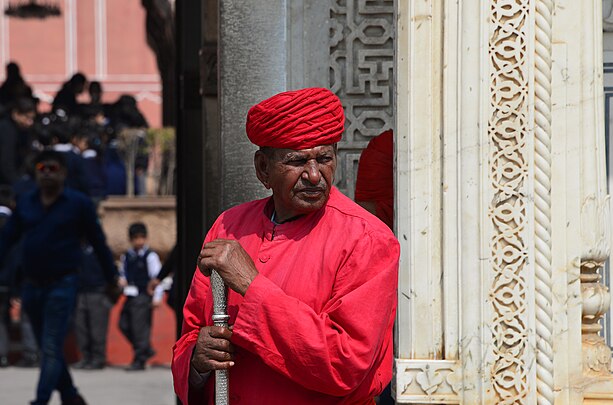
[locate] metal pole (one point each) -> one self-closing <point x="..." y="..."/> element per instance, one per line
<point x="220" y="318"/>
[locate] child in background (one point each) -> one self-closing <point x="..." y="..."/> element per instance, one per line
<point x="138" y="266"/>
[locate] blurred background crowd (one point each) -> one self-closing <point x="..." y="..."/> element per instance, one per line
<point x="91" y="134"/>
<point x="107" y="149"/>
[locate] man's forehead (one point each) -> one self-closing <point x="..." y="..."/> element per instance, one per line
<point x="301" y="152"/>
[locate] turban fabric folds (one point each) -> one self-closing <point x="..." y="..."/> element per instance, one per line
<point x="299" y="119"/>
<point x="375" y="179"/>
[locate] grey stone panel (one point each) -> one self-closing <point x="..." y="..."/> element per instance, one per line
<point x="269" y="46"/>
<point x="361" y="63"/>
<point x="252" y="66"/>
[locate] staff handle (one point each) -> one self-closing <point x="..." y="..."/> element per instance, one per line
<point x="220" y="318"/>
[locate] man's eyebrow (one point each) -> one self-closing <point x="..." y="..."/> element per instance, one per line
<point x="293" y="155"/>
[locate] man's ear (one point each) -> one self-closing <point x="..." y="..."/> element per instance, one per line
<point x="262" y="167"/>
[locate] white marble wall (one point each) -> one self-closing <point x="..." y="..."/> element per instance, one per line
<point x="502" y="208"/>
<point x="502" y="205"/>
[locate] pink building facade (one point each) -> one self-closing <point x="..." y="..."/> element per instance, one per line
<point x="104" y="39"/>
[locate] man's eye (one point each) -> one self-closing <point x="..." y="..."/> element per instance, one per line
<point x="324" y="159"/>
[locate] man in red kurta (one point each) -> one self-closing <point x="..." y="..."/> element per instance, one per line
<point x="312" y="276"/>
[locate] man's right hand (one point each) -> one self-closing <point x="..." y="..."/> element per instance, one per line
<point x="213" y="350"/>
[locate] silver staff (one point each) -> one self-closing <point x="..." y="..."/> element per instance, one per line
<point x="220" y="318"/>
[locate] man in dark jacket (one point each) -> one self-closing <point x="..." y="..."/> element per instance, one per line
<point x="53" y="221"/>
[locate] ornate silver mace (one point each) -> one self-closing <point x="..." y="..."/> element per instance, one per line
<point x="220" y="318"/>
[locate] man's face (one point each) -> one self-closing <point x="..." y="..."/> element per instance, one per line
<point x="300" y="180"/>
<point x="50" y="174"/>
<point x="23" y="120"/>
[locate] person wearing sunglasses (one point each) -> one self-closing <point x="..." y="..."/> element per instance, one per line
<point x="53" y="220"/>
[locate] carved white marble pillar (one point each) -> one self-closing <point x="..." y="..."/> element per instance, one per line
<point x="502" y="207"/>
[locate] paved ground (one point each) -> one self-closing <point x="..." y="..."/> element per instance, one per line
<point x="111" y="386"/>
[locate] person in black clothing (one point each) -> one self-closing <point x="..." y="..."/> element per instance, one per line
<point x="95" y="93"/>
<point x="53" y="221"/>
<point x="114" y="170"/>
<point x="9" y="295"/>
<point x="92" y="314"/>
<point x="124" y="113"/>
<point x="95" y="110"/>
<point x="138" y="266"/>
<point x="14" y="138"/>
<point x="11" y="84"/>
<point x="61" y="141"/>
<point x="93" y="165"/>
<point x="6" y="280"/>
<point x="13" y="88"/>
<point x="66" y="97"/>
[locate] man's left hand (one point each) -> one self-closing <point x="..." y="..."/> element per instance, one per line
<point x="231" y="261"/>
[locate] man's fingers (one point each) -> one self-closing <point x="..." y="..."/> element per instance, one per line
<point x="201" y="264"/>
<point x="218" y="355"/>
<point x="204" y="363"/>
<point x="221" y="345"/>
<point x="213" y="349"/>
<point x="220" y="365"/>
<point x="220" y="332"/>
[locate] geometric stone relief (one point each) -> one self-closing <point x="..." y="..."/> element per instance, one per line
<point x="428" y="381"/>
<point x="361" y="73"/>
<point x="346" y="171"/>
<point x="508" y="128"/>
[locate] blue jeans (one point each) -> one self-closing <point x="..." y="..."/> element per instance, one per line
<point x="50" y="308"/>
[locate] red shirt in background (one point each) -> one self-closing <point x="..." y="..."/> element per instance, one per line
<point x="375" y="178"/>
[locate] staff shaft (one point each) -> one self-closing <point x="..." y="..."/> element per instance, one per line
<point x="220" y="318"/>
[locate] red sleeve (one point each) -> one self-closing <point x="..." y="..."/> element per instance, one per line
<point x="193" y="320"/>
<point x="334" y="351"/>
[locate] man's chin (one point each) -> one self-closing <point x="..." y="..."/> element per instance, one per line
<point x="308" y="205"/>
<point x="48" y="184"/>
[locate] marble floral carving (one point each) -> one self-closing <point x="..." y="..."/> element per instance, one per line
<point x="508" y="166"/>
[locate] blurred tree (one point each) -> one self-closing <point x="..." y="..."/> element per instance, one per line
<point x="160" y="26"/>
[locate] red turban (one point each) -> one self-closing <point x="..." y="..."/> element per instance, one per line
<point x="375" y="180"/>
<point x="299" y="119"/>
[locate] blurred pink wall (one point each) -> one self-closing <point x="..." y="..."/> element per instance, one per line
<point x="104" y="39"/>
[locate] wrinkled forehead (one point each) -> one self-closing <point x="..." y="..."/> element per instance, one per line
<point x="283" y="153"/>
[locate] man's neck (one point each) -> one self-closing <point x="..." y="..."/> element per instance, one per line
<point x="276" y="221"/>
<point x="49" y="195"/>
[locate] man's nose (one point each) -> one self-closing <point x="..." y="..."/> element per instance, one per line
<point x="311" y="172"/>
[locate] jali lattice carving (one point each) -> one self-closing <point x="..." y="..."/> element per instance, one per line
<point x="361" y="66"/>
<point x="507" y="129"/>
<point x="361" y="74"/>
